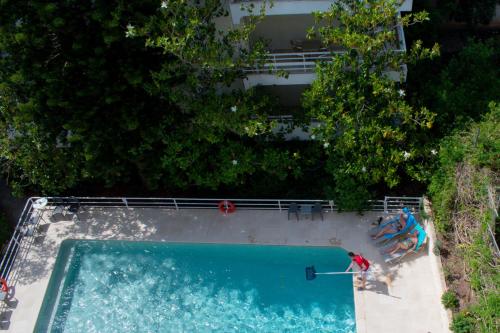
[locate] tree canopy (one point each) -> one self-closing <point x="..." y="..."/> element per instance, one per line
<point x="369" y="132"/>
<point x="110" y="93"/>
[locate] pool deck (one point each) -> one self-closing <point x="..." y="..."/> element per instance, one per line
<point x="405" y="297"/>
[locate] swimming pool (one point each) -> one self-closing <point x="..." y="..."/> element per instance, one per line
<point x="120" y="286"/>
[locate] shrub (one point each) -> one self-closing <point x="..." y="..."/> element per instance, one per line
<point x="437" y="247"/>
<point x="463" y="323"/>
<point x="450" y="300"/>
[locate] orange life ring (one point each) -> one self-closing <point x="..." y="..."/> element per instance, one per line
<point x="226" y="207"/>
<point x="5" y="287"/>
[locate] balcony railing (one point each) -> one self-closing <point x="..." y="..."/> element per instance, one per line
<point x="292" y="62"/>
<point x="304" y="62"/>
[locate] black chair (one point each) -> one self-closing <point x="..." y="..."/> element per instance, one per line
<point x="73" y="208"/>
<point x="293" y="209"/>
<point x="59" y="207"/>
<point x="317" y="209"/>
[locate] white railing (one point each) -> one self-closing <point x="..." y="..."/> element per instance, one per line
<point x="23" y="235"/>
<point x="295" y="61"/>
<point x="494" y="212"/>
<point x="305" y="62"/>
<point x="21" y="239"/>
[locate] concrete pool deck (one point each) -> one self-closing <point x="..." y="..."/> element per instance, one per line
<point x="404" y="298"/>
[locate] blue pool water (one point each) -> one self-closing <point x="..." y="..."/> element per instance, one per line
<point x="118" y="286"/>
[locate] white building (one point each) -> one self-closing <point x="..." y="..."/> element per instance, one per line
<point x="285" y="28"/>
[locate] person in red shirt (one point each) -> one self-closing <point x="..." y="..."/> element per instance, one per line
<point x="363" y="264"/>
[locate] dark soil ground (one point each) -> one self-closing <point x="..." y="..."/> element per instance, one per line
<point x="454" y="271"/>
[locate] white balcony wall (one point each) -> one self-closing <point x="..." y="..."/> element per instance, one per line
<point x="406" y="6"/>
<point x="282" y="56"/>
<point x="279" y="31"/>
<point x="253" y="80"/>
<point x="290" y="7"/>
<point x="281" y="7"/>
<point x="271" y="79"/>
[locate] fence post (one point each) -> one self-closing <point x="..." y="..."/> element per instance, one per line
<point x="493" y="241"/>
<point x="385" y="205"/>
<point x="125" y="202"/>
<point x="279" y="204"/>
<point x="175" y="203"/>
<point x="16" y="240"/>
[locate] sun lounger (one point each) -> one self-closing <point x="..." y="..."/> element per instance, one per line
<point x="421" y="242"/>
<point x="411" y="222"/>
<point x="376" y="229"/>
<point x="387" y="245"/>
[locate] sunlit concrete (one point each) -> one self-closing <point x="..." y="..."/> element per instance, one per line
<point x="403" y="298"/>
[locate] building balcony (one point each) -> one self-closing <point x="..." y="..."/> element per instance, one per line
<point x="297" y="57"/>
<point x="289" y="7"/>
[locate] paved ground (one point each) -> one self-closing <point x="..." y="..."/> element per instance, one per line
<point x="404" y="298"/>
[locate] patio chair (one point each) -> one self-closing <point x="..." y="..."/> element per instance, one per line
<point x="317" y="209"/>
<point x="34" y="220"/>
<point x="376" y="229"/>
<point x="411" y="222"/>
<point x="26" y="230"/>
<point x="59" y="209"/>
<point x="293" y="209"/>
<point x="73" y="208"/>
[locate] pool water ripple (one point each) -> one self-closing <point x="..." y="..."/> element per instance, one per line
<point x="156" y="287"/>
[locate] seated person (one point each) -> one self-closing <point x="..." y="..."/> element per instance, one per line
<point x="409" y="243"/>
<point x="4" y="289"/>
<point x="393" y="228"/>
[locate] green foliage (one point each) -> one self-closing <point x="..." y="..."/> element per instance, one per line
<point x="438" y="245"/>
<point x="467" y="84"/>
<point x="65" y="86"/>
<point x="463" y="323"/>
<point x="450" y="300"/>
<point x="473" y="152"/>
<point x="369" y="132"/>
<point x="480" y="145"/>
<point x="84" y="101"/>
<point x="487" y="310"/>
<point x="349" y="194"/>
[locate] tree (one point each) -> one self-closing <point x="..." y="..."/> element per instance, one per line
<point x="369" y="132"/>
<point x="72" y="88"/>
<point x="466" y="85"/>
<point x="107" y="92"/>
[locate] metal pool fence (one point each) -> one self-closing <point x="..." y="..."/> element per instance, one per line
<point x="23" y="235"/>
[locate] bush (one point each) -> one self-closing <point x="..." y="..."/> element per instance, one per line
<point x="463" y="323"/>
<point x="437" y="248"/>
<point x="450" y="300"/>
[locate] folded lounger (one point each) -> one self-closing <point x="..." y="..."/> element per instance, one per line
<point x="422" y="240"/>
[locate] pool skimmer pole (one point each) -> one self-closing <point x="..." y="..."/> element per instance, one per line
<point x="311" y="273"/>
